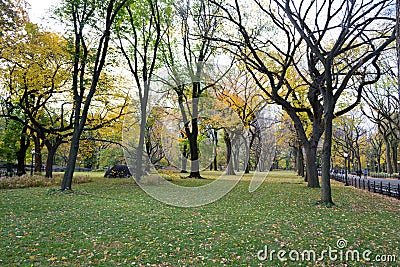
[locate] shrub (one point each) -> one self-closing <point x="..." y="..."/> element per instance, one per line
<point x="38" y="181"/>
<point x="118" y="171"/>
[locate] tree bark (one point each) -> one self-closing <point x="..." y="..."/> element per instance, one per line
<point x="247" y="160"/>
<point x="248" y="152"/>
<point x="73" y="153"/>
<point x="394" y="157"/>
<point x="184" y="157"/>
<point x="215" y="163"/>
<point x="192" y="130"/>
<point x="389" y="168"/>
<point x="236" y="159"/>
<point x="50" y="161"/>
<point x="184" y="161"/>
<point x="378" y="167"/>
<point x="326" y="196"/>
<point x="398" y="56"/>
<point x="295" y="157"/>
<point x="194" y="150"/>
<point x="311" y="166"/>
<point x="215" y="134"/>
<point x="229" y="161"/>
<point x="140" y="149"/>
<point x="38" y="154"/>
<point x="359" y="166"/>
<point x="300" y="162"/>
<point x="21" y="153"/>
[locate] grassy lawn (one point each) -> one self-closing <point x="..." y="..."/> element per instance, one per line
<point x="113" y="222"/>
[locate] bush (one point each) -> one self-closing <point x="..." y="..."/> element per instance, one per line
<point x="37" y="181"/>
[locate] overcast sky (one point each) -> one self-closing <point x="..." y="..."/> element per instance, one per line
<point x="37" y="12"/>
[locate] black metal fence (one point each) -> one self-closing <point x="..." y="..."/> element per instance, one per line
<point x="385" y="175"/>
<point x="388" y="187"/>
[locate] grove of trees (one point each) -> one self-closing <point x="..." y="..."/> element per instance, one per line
<point x="327" y="70"/>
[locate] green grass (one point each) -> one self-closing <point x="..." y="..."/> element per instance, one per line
<point x="113" y="222"/>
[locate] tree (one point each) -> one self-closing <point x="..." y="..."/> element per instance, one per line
<point x="140" y="30"/>
<point x="34" y="72"/>
<point x="195" y="20"/>
<point x="13" y="144"/>
<point x="85" y="17"/>
<point x="287" y="135"/>
<point x="270" y="63"/>
<point x="349" y="136"/>
<point x="375" y="151"/>
<point x="381" y="109"/>
<point x="348" y="61"/>
<point x="154" y="148"/>
<point x="238" y="90"/>
<point x="398" y="51"/>
<point x="331" y="56"/>
<point x="13" y="18"/>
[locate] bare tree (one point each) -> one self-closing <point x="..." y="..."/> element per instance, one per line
<point x="375" y="151"/>
<point x="238" y="90"/>
<point x="343" y="61"/>
<point x="398" y="52"/>
<point x="349" y="134"/>
<point x="381" y="108"/>
<point x="333" y="46"/>
<point x="269" y="60"/>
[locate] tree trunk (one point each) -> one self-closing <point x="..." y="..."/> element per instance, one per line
<point x="236" y="159"/>
<point x="194" y="156"/>
<point x="192" y="131"/>
<point x="257" y="156"/>
<point x="389" y="168"/>
<point x="358" y="157"/>
<point x="21" y="153"/>
<point x="215" y="163"/>
<point x="229" y="161"/>
<point x="73" y="153"/>
<point x="138" y="168"/>
<point x="38" y="154"/>
<point x="51" y="152"/>
<point x="394" y="156"/>
<point x="215" y="133"/>
<point x="184" y="155"/>
<point x="326" y="196"/>
<point x="193" y="134"/>
<point x="300" y="162"/>
<point x="378" y="167"/>
<point x="184" y="159"/>
<point x="248" y="148"/>
<point x="398" y="56"/>
<point x="194" y="151"/>
<point x="311" y="166"/>
<point x="295" y="157"/>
